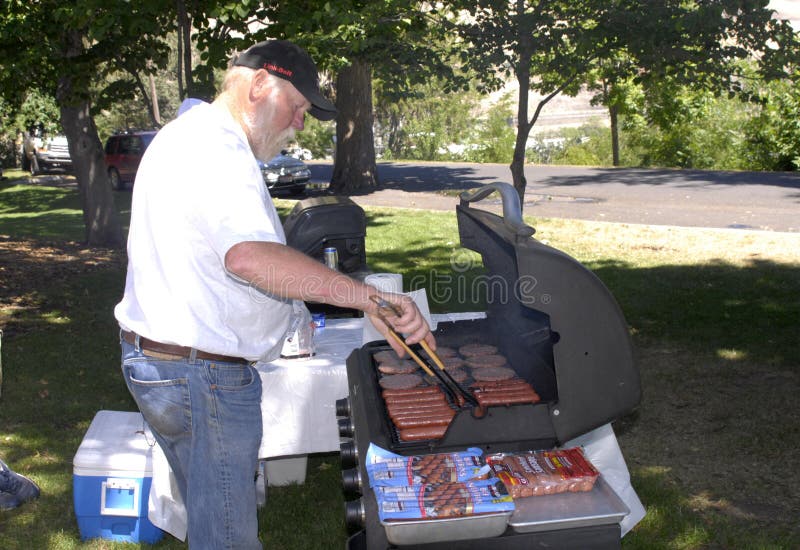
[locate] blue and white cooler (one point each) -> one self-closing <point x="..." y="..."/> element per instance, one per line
<point x="112" y="474"/>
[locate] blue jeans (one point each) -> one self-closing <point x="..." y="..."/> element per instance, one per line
<point x="206" y="417"/>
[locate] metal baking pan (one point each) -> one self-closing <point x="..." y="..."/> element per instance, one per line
<point x="600" y="506"/>
<point x="425" y="531"/>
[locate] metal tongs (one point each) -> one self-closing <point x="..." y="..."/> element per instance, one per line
<point x="446" y="381"/>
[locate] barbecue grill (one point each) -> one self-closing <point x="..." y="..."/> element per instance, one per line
<point x="560" y="329"/>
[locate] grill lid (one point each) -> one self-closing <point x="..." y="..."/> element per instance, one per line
<point x="552" y="317"/>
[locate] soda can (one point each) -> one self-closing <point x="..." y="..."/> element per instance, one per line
<point x="331" y="256"/>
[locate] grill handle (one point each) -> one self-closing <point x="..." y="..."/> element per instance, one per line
<point x="512" y="211"/>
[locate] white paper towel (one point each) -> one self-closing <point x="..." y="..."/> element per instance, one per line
<point x="602" y="449"/>
<point x="165" y="505"/>
<point x="387" y="282"/>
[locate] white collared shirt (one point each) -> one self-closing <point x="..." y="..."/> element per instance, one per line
<point x="198" y="192"/>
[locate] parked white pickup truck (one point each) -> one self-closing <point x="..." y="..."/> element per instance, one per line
<point x="45" y="154"/>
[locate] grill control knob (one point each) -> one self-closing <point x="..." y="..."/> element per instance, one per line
<point x="348" y="454"/>
<point x="346" y="428"/>
<point x="351" y="480"/>
<point x="343" y="406"/>
<point x="355" y="516"/>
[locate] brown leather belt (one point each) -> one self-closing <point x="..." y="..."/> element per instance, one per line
<point x="180" y="352"/>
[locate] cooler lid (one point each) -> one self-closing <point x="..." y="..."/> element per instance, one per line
<point x="116" y="441"/>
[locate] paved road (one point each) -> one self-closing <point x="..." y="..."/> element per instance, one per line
<point x="747" y="200"/>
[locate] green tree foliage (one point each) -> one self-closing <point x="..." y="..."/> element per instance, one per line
<point x="136" y="112"/>
<point x="8" y="156"/>
<point x="317" y="137"/>
<point x="495" y="136"/>
<point x="357" y="40"/>
<point x="772" y="138"/>
<point x="37" y="111"/>
<point x="552" y="47"/>
<point x="588" y="146"/>
<point x="552" y="41"/>
<point x="64" y="50"/>
<point x="422" y="124"/>
<point x="677" y="126"/>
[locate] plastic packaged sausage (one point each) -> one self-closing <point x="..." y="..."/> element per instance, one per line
<point x="548" y="472"/>
<point x="385" y="468"/>
<point x="444" y="500"/>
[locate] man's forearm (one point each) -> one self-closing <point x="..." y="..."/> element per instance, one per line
<point x="283" y="271"/>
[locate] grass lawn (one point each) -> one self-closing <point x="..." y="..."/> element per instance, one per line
<point x="713" y="314"/>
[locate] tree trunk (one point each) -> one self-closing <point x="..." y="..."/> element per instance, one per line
<point x="179" y="62"/>
<point x="523" y="73"/>
<point x="354" y="165"/>
<point x="185" y="49"/>
<point x="612" y="115"/>
<point x="518" y="159"/>
<point x="100" y="216"/>
<point x="154" y="101"/>
<point x="523" y="129"/>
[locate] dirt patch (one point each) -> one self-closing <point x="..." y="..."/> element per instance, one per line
<point x="26" y="261"/>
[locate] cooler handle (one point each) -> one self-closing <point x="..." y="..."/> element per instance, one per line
<point x="512" y="211"/>
<point x="113" y="498"/>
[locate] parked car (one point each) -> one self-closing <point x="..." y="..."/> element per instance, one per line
<point x="42" y="153"/>
<point x="300" y="153"/>
<point x="285" y="173"/>
<point x="124" y="152"/>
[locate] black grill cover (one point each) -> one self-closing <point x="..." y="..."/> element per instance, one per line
<point x="320" y="222"/>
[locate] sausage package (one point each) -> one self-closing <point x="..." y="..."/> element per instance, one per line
<point x="385" y="468"/>
<point x="548" y="472"/>
<point x="443" y="500"/>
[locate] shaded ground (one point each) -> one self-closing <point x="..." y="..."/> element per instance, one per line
<point x="24" y="262"/>
<point x="717" y="439"/>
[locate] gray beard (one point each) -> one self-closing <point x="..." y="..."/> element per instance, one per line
<point x="264" y="143"/>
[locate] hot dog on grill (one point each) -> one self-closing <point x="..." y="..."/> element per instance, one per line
<point x="415" y="405"/>
<point x="511" y="382"/>
<point x="422" y="433"/>
<point x="412" y="407"/>
<point x="420" y="421"/>
<point x="410" y="413"/>
<point x="422" y="390"/>
<point x="510" y="399"/>
<point x="421" y="398"/>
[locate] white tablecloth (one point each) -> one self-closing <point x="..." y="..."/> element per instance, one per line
<point x="298" y="399"/>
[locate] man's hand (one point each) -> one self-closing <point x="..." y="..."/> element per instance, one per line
<point x="404" y="317"/>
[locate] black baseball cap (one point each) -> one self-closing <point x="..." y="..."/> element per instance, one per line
<point x="290" y="62"/>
